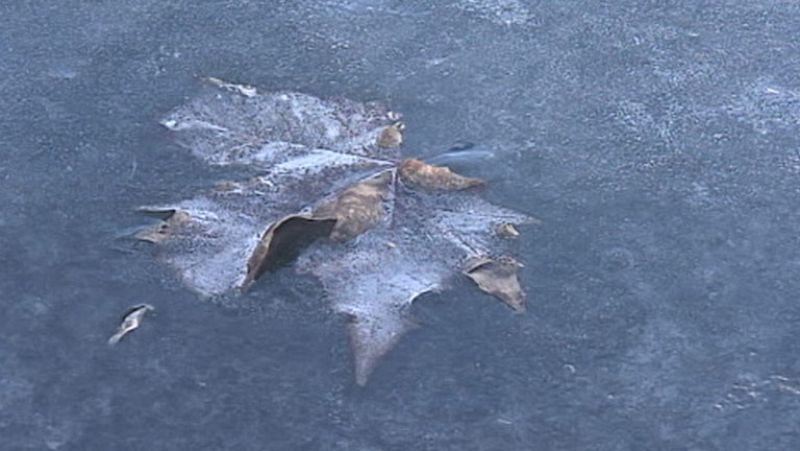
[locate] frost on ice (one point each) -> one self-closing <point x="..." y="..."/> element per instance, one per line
<point x="334" y="199"/>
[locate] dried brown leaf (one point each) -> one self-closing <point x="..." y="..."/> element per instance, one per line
<point x="498" y="277"/>
<point x="424" y="175"/>
<point x="357" y="208"/>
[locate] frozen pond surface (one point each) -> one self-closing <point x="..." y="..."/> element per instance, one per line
<point x="659" y="145"/>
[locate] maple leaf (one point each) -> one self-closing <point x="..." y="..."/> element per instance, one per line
<point x="334" y="199"/>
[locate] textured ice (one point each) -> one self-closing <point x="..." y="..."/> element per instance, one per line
<point x="502" y="12"/>
<point x="395" y="237"/>
<point x="767" y="106"/>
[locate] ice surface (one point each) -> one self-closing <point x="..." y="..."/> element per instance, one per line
<point x="657" y="141"/>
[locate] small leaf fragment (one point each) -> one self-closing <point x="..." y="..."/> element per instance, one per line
<point x="498" y="277"/>
<point x="165" y="228"/>
<point x="130" y="322"/>
<point x="391" y="136"/>
<point x="424" y="175"/>
<point x="507" y="230"/>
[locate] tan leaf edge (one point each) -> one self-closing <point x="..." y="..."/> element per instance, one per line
<point x="282" y="242"/>
<point x="420" y="174"/>
<point x="497" y="277"/>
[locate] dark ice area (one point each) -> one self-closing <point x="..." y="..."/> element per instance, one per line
<point x="658" y="142"/>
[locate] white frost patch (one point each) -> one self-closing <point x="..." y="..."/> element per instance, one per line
<point x="209" y="253"/>
<point x="469" y="223"/>
<point x="317" y="160"/>
<point x="749" y="391"/>
<point x="235" y="124"/>
<point x="189" y="124"/>
<point x="245" y="90"/>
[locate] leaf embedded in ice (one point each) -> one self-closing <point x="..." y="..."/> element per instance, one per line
<point x="308" y="149"/>
<point x="377" y="232"/>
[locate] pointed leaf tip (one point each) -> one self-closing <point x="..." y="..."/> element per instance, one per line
<point x="417" y="173"/>
<point x="498" y="277"/>
<point x="372" y="338"/>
